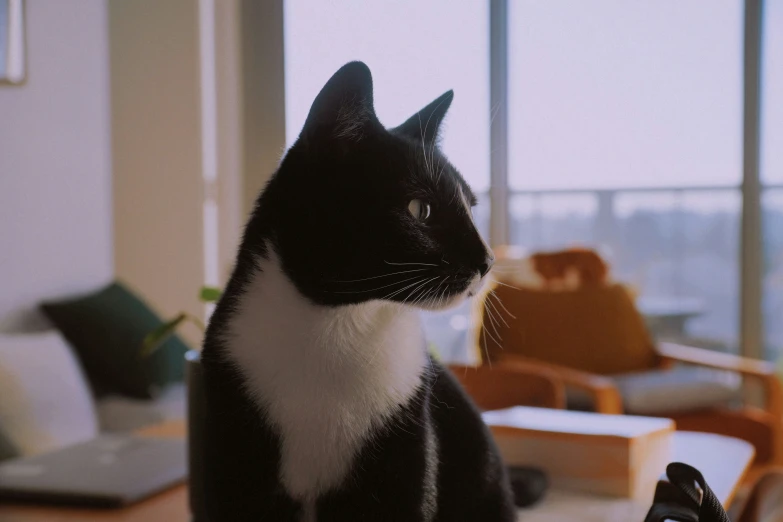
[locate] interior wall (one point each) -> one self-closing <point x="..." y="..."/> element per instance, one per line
<point x="157" y="152"/>
<point x="55" y="163"/>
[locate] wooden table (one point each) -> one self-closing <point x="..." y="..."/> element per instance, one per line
<point x="722" y="460"/>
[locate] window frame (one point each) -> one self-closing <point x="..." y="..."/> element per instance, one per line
<point x="751" y="335"/>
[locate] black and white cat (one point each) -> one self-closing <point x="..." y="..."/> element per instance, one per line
<point x="322" y="402"/>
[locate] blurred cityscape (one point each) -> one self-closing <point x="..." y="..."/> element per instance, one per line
<point x="678" y="248"/>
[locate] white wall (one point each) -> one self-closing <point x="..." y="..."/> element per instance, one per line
<point x="55" y="166"/>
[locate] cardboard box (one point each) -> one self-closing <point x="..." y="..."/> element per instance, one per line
<point x="618" y="455"/>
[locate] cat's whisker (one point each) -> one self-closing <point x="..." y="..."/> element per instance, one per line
<point x="395" y="292"/>
<point x="446" y="288"/>
<point x="412" y="293"/>
<point x="501" y="283"/>
<point x="379" y="276"/>
<point x="500" y="302"/>
<point x="486" y="351"/>
<point x="414" y="284"/>
<point x="501" y="276"/>
<point x="493" y="323"/>
<point x="413" y="264"/>
<point x="424" y="294"/>
<point x="375" y="289"/>
<point x="439" y="285"/>
<point x="421" y="297"/>
<point x="489" y="302"/>
<point x="496" y="337"/>
<point x="506" y="268"/>
<point x="428" y="295"/>
<point x="432" y="295"/>
<point x="490" y="334"/>
<point x="392" y="294"/>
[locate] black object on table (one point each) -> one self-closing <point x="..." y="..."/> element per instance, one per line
<point x="528" y="484"/>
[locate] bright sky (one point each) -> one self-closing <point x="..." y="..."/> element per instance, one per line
<point x="3" y="34"/>
<point x="416" y="50"/>
<point x="603" y="93"/>
<point x="612" y="93"/>
<point x="772" y="94"/>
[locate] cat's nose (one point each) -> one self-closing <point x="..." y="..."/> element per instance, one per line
<point x="486" y="266"/>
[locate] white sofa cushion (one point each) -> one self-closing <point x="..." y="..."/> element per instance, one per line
<point x="45" y="403"/>
<point x="681" y="389"/>
<point x="118" y="413"/>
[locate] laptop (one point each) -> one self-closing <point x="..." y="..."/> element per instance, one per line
<point x="108" y="471"/>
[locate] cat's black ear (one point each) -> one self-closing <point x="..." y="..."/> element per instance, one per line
<point x="425" y="124"/>
<point x="343" y="109"/>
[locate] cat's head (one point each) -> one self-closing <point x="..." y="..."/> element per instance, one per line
<point x="358" y="212"/>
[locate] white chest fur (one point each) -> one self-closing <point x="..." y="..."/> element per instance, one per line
<point x="326" y="376"/>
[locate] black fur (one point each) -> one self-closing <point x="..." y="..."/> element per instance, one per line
<point x="336" y="211"/>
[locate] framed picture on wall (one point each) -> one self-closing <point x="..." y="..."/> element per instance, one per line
<point x="12" y="42"/>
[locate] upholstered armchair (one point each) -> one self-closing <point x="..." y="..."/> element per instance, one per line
<point x="596" y="342"/>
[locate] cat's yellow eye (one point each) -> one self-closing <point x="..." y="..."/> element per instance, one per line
<point x="419" y="209"/>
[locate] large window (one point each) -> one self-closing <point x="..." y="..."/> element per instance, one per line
<point x="772" y="174"/>
<point x="624" y="134"/>
<point x="416" y="51"/>
<point x="623" y="130"/>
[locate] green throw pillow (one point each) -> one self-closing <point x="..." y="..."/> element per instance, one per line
<point x="106" y="329"/>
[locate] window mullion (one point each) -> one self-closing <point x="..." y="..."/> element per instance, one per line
<point x="751" y="271"/>
<point x="498" y="72"/>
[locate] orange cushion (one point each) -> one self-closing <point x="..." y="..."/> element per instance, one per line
<point x="595" y="329"/>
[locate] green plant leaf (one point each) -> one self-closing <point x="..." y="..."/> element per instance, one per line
<point x="157" y="337"/>
<point x="209" y="294"/>
<point x="433" y="349"/>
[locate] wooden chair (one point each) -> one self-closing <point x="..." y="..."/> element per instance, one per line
<point x="587" y="335"/>
<point x="765" y="502"/>
<point x="495" y="388"/>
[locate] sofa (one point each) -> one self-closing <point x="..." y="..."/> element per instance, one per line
<point x="87" y="374"/>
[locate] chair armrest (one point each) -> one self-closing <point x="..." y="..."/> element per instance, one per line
<point x="762" y="371"/>
<point x="501" y="386"/>
<point x="605" y="395"/>
<point x="717" y="360"/>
